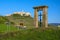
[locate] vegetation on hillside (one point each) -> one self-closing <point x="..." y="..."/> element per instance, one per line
<point x="32" y="34"/>
<point x="3" y="19"/>
<point x="17" y="19"/>
<point x="7" y="28"/>
<point x="10" y="32"/>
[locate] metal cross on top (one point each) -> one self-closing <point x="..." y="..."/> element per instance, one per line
<point x="40" y="19"/>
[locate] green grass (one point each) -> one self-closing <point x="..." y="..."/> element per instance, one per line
<point x="12" y="33"/>
<point x="33" y="34"/>
<point x="7" y="28"/>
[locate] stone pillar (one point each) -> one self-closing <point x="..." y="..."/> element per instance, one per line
<point x="36" y="18"/>
<point x="44" y="19"/>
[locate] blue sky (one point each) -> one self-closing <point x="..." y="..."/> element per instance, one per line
<point x="10" y="6"/>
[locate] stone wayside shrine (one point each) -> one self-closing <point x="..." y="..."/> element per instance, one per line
<point x="44" y="16"/>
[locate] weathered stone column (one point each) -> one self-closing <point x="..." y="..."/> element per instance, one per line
<point x="44" y="19"/>
<point x="36" y="18"/>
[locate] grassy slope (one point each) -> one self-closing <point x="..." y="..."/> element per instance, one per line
<point x="28" y="34"/>
<point x="2" y="19"/>
<point x="4" y="27"/>
<point x="7" y="28"/>
<point x="28" y="21"/>
<point x="33" y="34"/>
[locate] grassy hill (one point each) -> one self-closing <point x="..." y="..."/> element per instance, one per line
<point x="10" y="32"/>
<point x="17" y="19"/>
<point x="14" y="20"/>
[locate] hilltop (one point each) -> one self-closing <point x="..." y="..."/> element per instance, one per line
<point x="16" y="19"/>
